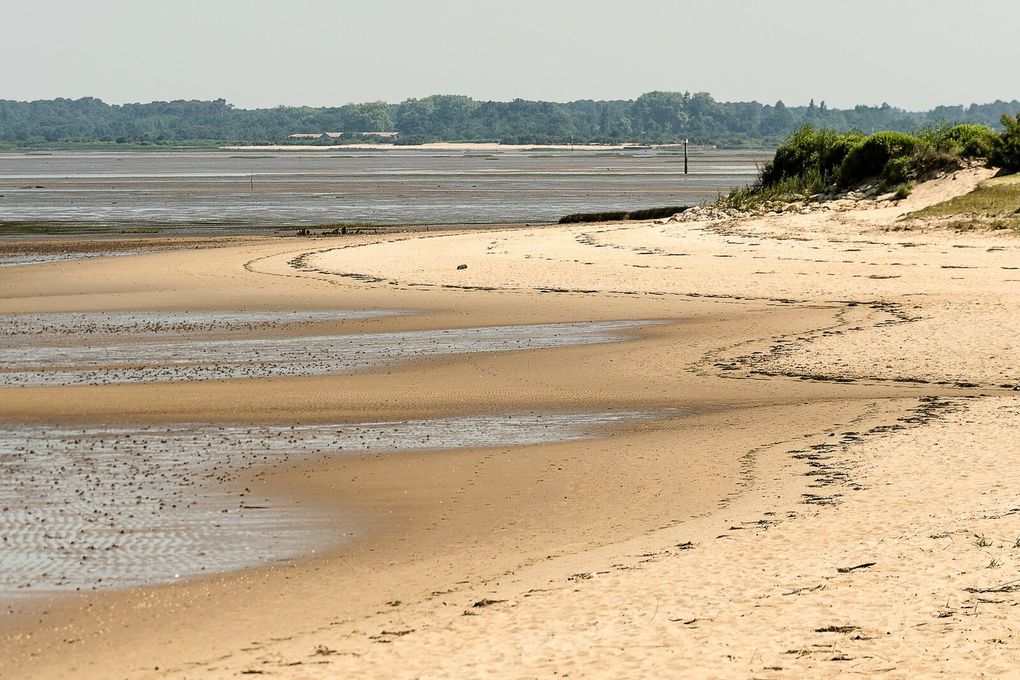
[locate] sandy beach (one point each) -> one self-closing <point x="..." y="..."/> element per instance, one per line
<point x="821" y="478"/>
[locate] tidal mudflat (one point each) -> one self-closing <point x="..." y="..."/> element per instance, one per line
<point x="78" y="349"/>
<point x="154" y="324"/>
<point x="43" y="258"/>
<point x="89" y="508"/>
<point x="236" y="191"/>
<point x="101" y="507"/>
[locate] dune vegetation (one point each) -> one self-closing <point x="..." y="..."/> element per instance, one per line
<point x="995" y="204"/>
<point x="818" y="161"/>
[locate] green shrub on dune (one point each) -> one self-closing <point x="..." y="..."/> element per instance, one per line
<point x="815" y="161"/>
<point x="812" y="160"/>
<point x="1006" y="152"/>
<point x="966" y="141"/>
<point x="869" y="157"/>
<point x="809" y="151"/>
<point x="898" y="170"/>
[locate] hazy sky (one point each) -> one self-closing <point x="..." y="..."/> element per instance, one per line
<point x="910" y="53"/>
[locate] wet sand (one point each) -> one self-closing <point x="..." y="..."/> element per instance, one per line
<point x="38" y="360"/>
<point x="99" y="507"/>
<point x="828" y="487"/>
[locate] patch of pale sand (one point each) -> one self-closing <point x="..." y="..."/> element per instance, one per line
<point x="958" y="341"/>
<point x="958" y="290"/>
<point x="871" y="218"/>
<point x="684" y="258"/>
<point x="930" y="587"/>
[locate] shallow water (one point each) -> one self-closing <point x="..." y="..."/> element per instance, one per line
<point x="159" y="323"/>
<point x="43" y="258"/>
<point x="109" y="507"/>
<point x="229" y="191"/>
<point x="45" y="360"/>
<point x="112" y="507"/>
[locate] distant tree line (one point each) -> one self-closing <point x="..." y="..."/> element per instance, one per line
<point x="654" y="117"/>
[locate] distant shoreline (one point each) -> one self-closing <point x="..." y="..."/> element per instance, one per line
<point x="456" y="146"/>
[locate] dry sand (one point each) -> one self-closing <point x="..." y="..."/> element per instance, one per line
<point x="837" y="493"/>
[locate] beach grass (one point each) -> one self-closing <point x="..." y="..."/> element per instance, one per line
<point x="995" y="204"/>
